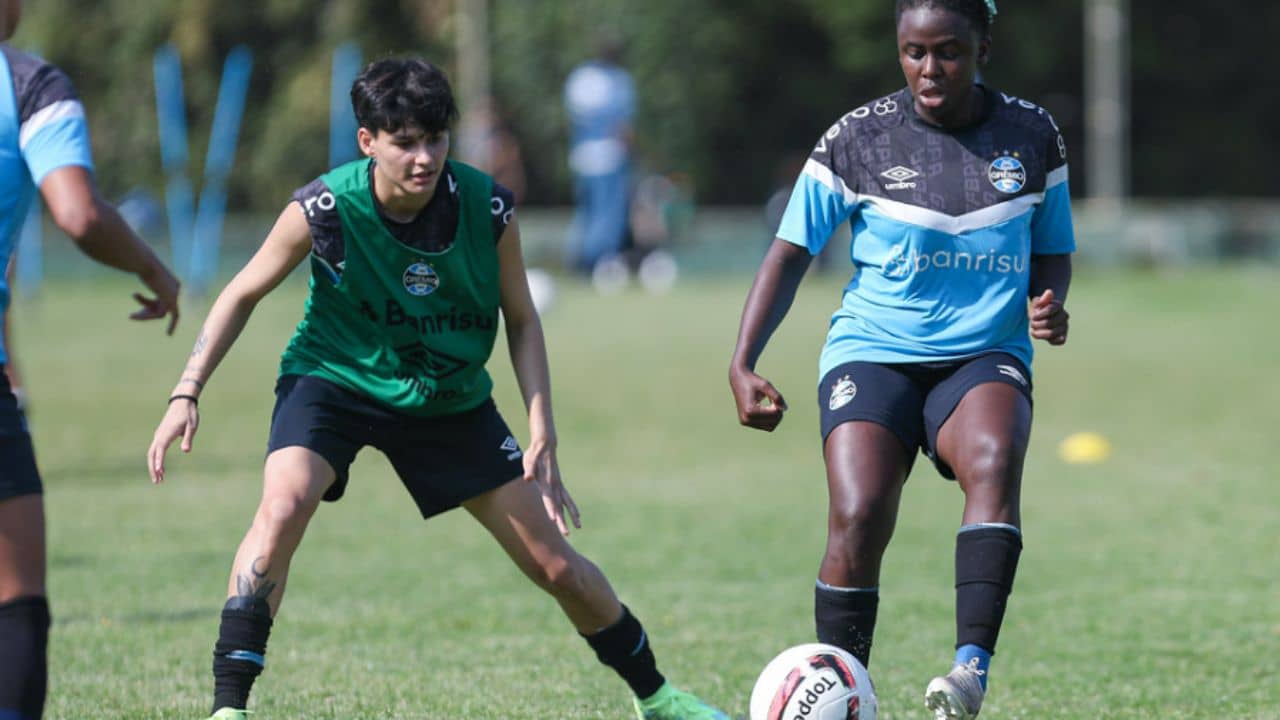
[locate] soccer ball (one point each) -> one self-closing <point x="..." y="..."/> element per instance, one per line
<point x="813" y="682"/>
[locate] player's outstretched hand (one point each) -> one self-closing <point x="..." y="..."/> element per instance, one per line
<point x="543" y="470"/>
<point x="160" y="281"/>
<point x="180" y="421"/>
<point x="760" y="405"/>
<point x="1049" y="319"/>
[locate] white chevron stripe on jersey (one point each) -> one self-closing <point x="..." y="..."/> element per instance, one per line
<point x="50" y="113"/>
<point x="932" y="219"/>
<point x="953" y="225"/>
<point x="1055" y="177"/>
<point x="830" y="180"/>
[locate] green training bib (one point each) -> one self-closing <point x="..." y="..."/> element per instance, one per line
<point x="410" y="329"/>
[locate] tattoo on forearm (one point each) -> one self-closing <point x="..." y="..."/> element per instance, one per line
<point x="255" y="584"/>
<point x="200" y="343"/>
<point x="193" y="381"/>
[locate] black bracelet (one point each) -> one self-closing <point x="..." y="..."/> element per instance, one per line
<point x="194" y="400"/>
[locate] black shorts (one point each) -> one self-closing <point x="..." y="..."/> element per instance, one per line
<point x="912" y="399"/>
<point x="442" y="461"/>
<point x="18" y="473"/>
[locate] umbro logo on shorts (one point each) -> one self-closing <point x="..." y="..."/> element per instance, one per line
<point x="511" y="448"/>
<point x="1013" y="372"/>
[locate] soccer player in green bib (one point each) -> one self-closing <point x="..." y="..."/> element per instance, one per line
<point x="412" y="258"/>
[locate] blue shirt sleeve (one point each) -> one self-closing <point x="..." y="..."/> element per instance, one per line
<point x="819" y="203"/>
<point x="1052" y="232"/>
<point x="56" y="136"/>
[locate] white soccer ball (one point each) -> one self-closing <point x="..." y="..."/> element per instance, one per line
<point x="542" y="287"/>
<point x="658" y="272"/>
<point x="813" y="682"/>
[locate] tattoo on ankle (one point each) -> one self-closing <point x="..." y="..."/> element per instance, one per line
<point x="255" y="584"/>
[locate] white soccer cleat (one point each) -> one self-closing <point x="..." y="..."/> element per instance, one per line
<point x="958" y="694"/>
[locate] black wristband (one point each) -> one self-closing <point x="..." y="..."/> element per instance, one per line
<point x="194" y="400"/>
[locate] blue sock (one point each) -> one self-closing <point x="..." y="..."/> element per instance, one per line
<point x="965" y="653"/>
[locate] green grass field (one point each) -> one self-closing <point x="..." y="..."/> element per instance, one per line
<point x="1148" y="588"/>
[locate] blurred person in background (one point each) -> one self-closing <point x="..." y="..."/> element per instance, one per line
<point x="44" y="145"/>
<point x="600" y="98"/>
<point x="959" y="260"/>
<point x="412" y="258"/>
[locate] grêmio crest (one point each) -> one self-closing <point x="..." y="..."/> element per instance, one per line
<point x="420" y="279"/>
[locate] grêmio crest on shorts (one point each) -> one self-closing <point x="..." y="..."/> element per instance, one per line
<point x="408" y="328"/>
<point x="944" y="224"/>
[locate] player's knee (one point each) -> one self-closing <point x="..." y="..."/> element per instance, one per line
<point x="563" y="575"/>
<point x="992" y="460"/>
<point x="281" y="514"/>
<point x="859" y="520"/>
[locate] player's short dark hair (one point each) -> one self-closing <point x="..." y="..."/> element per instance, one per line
<point x="395" y="93"/>
<point x="979" y="12"/>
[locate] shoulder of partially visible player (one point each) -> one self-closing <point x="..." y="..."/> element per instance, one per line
<point x="38" y="83"/>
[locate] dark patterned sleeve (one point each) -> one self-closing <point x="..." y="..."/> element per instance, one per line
<point x="52" y="132"/>
<point x="503" y="207"/>
<point x="1052" y="229"/>
<point x="321" y="210"/>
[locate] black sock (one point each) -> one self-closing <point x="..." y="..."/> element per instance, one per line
<point x="240" y="654"/>
<point x="846" y="618"/>
<point x="24" y="642"/>
<point x="986" y="561"/>
<point x="624" y="646"/>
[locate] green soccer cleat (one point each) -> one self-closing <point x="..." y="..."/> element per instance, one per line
<point x="671" y="703"/>
<point x="230" y="714"/>
<point x="958" y="694"/>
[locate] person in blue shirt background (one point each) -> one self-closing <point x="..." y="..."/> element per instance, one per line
<point x="956" y="195"/>
<point x="600" y="98"/>
<point x="44" y="144"/>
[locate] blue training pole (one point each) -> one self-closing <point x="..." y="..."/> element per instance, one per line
<point x="223" y="139"/>
<point x="171" y="112"/>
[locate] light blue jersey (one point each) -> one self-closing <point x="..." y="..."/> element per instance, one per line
<point x="42" y="128"/>
<point x="944" y="223"/>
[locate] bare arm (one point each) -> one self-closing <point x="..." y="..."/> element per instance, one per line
<point x="528" y="349"/>
<point x="770" y="298"/>
<point x="1050" y="281"/>
<point x="99" y="231"/>
<point x="286" y="245"/>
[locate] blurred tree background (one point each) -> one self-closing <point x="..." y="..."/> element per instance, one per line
<point x="732" y="92"/>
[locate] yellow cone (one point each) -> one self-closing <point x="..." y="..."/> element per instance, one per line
<point x="1084" y="448"/>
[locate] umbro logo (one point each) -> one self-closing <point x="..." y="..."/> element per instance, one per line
<point x="511" y="448"/>
<point x="900" y="176"/>
<point x="1013" y="372"/>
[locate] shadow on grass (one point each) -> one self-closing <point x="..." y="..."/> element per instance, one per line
<point x="132" y="471"/>
<point x="143" y="617"/>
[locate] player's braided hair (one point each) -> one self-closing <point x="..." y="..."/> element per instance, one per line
<point x="395" y="93"/>
<point x="979" y="12"/>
